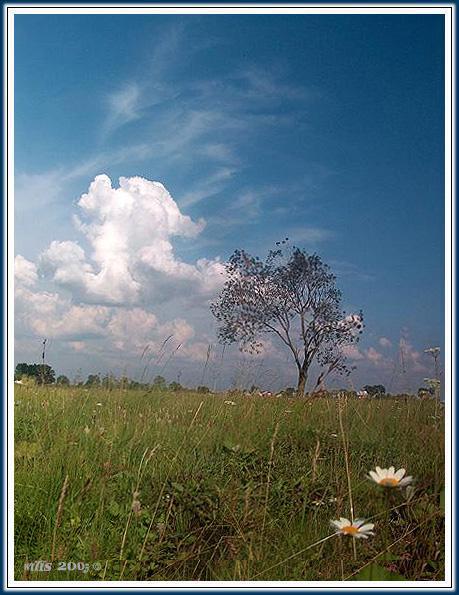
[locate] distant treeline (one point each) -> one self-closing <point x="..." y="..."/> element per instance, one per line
<point x="44" y="374"/>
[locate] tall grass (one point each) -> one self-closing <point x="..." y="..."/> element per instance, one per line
<point x="183" y="486"/>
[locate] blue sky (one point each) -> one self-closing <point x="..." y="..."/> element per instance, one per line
<point x="325" y="129"/>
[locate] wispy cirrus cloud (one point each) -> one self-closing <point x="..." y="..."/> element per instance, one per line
<point x="208" y="187"/>
<point x="124" y="106"/>
<point x="309" y="235"/>
<point x="38" y="191"/>
<point x="189" y="120"/>
<point x="350" y="270"/>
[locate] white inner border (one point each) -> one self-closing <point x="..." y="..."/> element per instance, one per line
<point x="448" y="10"/>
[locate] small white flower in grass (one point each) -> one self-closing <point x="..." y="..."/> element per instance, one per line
<point x="230" y="403"/>
<point x="358" y="529"/>
<point x="389" y="478"/>
<point x="98" y="404"/>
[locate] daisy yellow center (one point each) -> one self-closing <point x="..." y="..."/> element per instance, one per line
<point x="389" y="481"/>
<point x="350" y="530"/>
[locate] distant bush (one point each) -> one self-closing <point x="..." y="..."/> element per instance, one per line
<point x="159" y="382"/>
<point x="203" y="389"/>
<point x="175" y="386"/>
<point x="43" y="374"/>
<point x="425" y="393"/>
<point x="28" y="380"/>
<point x="289" y="391"/>
<point x="93" y="380"/>
<point x="375" y="389"/>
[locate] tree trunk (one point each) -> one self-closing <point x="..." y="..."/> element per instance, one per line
<point x="320" y="383"/>
<point x="302" y="379"/>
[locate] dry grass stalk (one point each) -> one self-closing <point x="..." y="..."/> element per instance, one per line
<point x="315" y="458"/>
<point x="341" y="405"/>
<point x="136" y="494"/>
<point x="60" y="508"/>
<point x="268" y="478"/>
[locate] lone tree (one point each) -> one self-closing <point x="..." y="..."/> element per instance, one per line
<point x="292" y="295"/>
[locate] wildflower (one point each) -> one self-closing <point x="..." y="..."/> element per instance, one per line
<point x="357" y="529"/>
<point x="389" y="478"/>
<point x="98" y="404"/>
<point x="86" y="430"/>
<point x="230" y="403"/>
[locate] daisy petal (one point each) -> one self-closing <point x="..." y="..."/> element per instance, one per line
<point x="379" y="471"/>
<point x="360" y="536"/>
<point x="358" y="522"/>
<point x="391" y="470"/>
<point x="374" y="476"/>
<point x="405" y="481"/>
<point x="366" y="528"/>
<point x="399" y="474"/>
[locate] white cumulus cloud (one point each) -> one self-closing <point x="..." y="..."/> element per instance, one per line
<point x="129" y="233"/>
<point x="121" y="287"/>
<point x="25" y="272"/>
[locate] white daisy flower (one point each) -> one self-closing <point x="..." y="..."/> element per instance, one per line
<point x="357" y="529"/>
<point x="390" y="478"/>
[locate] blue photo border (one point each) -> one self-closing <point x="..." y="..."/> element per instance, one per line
<point x="5" y="314"/>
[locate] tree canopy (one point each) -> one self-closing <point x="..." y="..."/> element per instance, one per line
<point x="292" y="295"/>
<point x="42" y="373"/>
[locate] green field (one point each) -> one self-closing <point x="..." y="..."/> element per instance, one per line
<point x="183" y="486"/>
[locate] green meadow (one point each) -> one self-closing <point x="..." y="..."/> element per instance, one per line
<point x="161" y="485"/>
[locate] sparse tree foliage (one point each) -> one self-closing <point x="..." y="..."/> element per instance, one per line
<point x="203" y="389"/>
<point x="62" y="380"/>
<point x="293" y="296"/>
